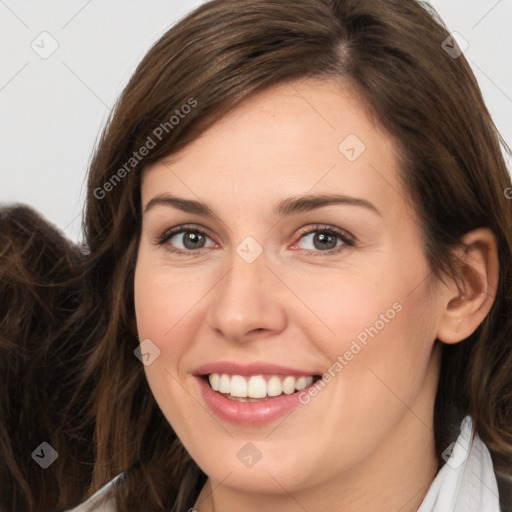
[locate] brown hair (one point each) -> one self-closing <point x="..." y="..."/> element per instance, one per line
<point x="390" y="52"/>
<point x="46" y="336"/>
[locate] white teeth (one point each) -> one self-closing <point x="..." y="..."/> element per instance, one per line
<point x="224" y="383"/>
<point x="301" y="383"/>
<point x="274" y="386"/>
<point x="289" y="385"/>
<point x="215" y="381"/>
<point x="238" y="386"/>
<point x="257" y="386"/>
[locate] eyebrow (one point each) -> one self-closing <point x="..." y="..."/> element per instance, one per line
<point x="288" y="206"/>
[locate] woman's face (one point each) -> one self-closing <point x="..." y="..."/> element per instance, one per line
<point x="276" y="248"/>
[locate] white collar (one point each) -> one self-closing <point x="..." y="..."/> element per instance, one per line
<point x="467" y="481"/>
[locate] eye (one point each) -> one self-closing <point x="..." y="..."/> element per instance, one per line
<point x="325" y="239"/>
<point x="185" y="240"/>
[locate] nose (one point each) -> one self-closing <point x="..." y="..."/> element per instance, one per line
<point x="248" y="302"/>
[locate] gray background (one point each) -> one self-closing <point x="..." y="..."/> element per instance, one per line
<point x="52" y="109"/>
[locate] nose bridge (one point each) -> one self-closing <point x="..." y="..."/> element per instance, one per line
<point x="243" y="278"/>
<point x="246" y="300"/>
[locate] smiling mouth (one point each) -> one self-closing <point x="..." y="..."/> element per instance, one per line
<point x="257" y="388"/>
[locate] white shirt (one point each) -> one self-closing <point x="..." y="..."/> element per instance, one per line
<point x="91" y="505"/>
<point x="465" y="483"/>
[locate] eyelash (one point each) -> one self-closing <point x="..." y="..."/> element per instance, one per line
<point x="344" y="236"/>
<point x="167" y="235"/>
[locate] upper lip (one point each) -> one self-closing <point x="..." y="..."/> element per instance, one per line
<point x="262" y="368"/>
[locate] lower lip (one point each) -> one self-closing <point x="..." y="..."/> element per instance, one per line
<point x="249" y="413"/>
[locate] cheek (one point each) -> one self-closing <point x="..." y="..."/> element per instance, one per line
<point x="157" y="310"/>
<point x="161" y="312"/>
<point x="339" y="307"/>
<point x="377" y="330"/>
<point x="377" y="335"/>
<point x="168" y="307"/>
<point x="166" y="301"/>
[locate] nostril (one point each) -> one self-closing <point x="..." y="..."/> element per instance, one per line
<point x="258" y="329"/>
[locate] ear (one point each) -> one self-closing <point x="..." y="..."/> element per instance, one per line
<point x="468" y="300"/>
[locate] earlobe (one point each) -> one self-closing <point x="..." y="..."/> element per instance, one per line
<point x="470" y="297"/>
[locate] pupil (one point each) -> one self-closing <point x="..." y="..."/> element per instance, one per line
<point x="324" y="241"/>
<point x="193" y="240"/>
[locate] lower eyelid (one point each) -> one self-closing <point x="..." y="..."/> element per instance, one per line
<point x="345" y="238"/>
<point x="169" y="233"/>
<point x="210" y="242"/>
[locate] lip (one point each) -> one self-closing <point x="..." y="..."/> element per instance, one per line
<point x="251" y="369"/>
<point x="248" y="413"/>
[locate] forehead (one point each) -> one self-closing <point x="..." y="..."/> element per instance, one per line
<point x="306" y="136"/>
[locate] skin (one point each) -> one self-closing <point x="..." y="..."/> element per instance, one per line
<point x="365" y="442"/>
